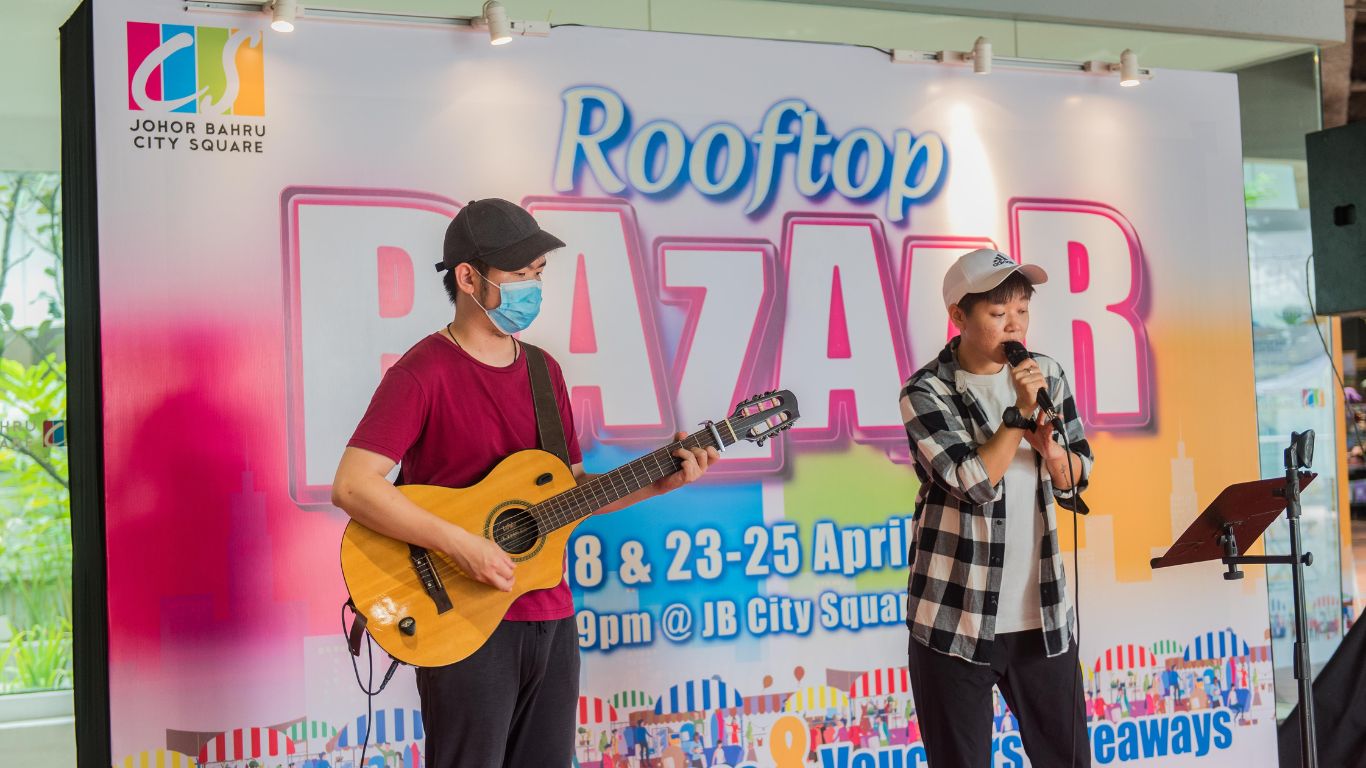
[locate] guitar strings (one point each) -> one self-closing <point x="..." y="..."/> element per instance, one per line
<point x="562" y="512"/>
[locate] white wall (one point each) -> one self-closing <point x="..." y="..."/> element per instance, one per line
<point x="1310" y="21"/>
<point x="29" y="115"/>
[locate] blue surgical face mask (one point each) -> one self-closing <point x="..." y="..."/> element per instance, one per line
<point x="520" y="303"/>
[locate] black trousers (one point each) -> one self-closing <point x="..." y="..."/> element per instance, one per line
<point x="511" y="703"/>
<point x="954" y="707"/>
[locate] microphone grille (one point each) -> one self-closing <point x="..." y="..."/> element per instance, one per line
<point x="1016" y="352"/>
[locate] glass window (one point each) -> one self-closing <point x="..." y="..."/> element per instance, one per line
<point x="1295" y="380"/>
<point x="35" y="514"/>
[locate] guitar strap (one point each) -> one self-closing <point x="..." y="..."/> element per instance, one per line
<point x="547" y="411"/>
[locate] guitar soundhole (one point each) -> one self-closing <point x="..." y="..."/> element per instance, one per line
<point x="516" y="531"/>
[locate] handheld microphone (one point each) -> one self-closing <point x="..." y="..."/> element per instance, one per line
<point x="1016" y="354"/>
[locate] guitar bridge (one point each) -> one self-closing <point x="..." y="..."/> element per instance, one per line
<point x="430" y="579"/>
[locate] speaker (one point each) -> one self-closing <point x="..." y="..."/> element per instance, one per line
<point x="1337" y="214"/>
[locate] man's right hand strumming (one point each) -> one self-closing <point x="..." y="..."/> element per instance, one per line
<point x="362" y="490"/>
<point x="480" y="559"/>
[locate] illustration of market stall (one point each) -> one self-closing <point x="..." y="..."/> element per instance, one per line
<point x="698" y="720"/>
<point x="1128" y="679"/>
<point x="267" y="747"/>
<point x="160" y="758"/>
<point x="395" y="738"/>
<point x="599" y="734"/>
<point x="311" y="736"/>
<point x="826" y="710"/>
<point x="1215" y="671"/>
<point x="880" y="700"/>
<point x="631" y="705"/>
<point x="1170" y="655"/>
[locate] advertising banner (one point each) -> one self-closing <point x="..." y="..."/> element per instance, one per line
<point x="740" y="216"/>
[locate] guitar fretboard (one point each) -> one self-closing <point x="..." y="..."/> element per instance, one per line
<point x="601" y="490"/>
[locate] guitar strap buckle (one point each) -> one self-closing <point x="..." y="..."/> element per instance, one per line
<point x="357" y="631"/>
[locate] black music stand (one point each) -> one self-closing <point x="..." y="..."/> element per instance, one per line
<point x="1230" y="525"/>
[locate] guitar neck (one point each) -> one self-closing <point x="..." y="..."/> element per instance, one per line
<point x="602" y="490"/>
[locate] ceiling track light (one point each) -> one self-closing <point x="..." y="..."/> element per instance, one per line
<point x="495" y="17"/>
<point x="282" y="15"/>
<point x="1129" y="72"/>
<point x="983" y="61"/>
<point x="501" y="29"/>
<point x="1128" y="68"/>
<point x="981" y="56"/>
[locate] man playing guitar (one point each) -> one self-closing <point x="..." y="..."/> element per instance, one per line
<point x="449" y="410"/>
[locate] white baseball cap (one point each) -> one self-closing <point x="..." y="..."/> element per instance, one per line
<point x="983" y="269"/>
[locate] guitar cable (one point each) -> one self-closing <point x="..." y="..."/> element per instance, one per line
<point x="370" y="691"/>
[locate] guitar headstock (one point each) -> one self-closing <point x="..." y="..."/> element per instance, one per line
<point x="765" y="415"/>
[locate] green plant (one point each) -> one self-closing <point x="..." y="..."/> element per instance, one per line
<point x="35" y="535"/>
<point x="30" y="227"/>
<point x="1257" y="189"/>
<point x="40" y="657"/>
<point x="35" y="518"/>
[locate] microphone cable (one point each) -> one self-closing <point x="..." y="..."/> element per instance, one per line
<point x="1015" y="351"/>
<point x="1058" y="427"/>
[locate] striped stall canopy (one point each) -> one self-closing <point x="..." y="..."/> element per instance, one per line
<point x="816" y="698"/>
<point x="246" y="744"/>
<point x="392" y="726"/>
<point x="632" y="700"/>
<point x="765" y="703"/>
<point x="697" y="696"/>
<point x="309" y="731"/>
<point x="157" y="758"/>
<point x="595" y="711"/>
<point x="1165" y="649"/>
<point x="881" y="682"/>
<point x="1127" y="657"/>
<point x="1260" y="653"/>
<point x="1215" y="645"/>
<point x="1327" y="601"/>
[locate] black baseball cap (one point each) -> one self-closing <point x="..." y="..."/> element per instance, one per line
<point x="500" y="233"/>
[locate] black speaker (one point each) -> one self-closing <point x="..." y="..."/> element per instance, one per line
<point x="1337" y="214"/>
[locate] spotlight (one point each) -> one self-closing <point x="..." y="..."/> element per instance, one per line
<point x="496" y="17"/>
<point x="283" y="13"/>
<point x="1128" y="69"/>
<point x="981" y="56"/>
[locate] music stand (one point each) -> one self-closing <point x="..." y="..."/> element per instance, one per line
<point x="1230" y="525"/>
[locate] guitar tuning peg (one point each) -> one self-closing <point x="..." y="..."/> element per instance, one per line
<point x="761" y="443"/>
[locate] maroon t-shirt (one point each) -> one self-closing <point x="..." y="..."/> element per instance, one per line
<point x="448" y="419"/>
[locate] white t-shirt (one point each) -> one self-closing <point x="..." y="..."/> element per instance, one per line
<point x="1018" y="608"/>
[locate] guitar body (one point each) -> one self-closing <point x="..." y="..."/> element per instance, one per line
<point x="423" y="611"/>
<point x="387" y="586"/>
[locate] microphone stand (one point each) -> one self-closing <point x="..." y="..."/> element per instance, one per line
<point x="1294" y="460"/>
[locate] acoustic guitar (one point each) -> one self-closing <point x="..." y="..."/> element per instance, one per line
<point x="421" y="609"/>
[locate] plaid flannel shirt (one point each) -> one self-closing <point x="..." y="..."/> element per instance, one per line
<point x="960" y="517"/>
